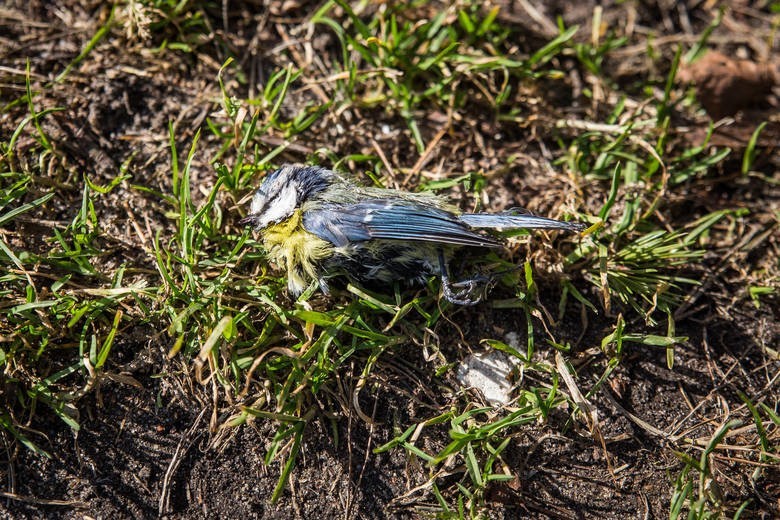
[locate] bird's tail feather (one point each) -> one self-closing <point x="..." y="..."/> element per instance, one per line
<point x="499" y="221"/>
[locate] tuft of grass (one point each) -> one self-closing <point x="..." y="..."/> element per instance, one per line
<point x="644" y="272"/>
<point x="175" y="25"/>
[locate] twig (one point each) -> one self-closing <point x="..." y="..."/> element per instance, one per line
<point x="43" y="501"/>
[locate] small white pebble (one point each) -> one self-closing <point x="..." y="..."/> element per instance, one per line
<point x="488" y="372"/>
<point x="513" y="340"/>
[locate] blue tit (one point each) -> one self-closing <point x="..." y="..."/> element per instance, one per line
<point x="317" y="225"/>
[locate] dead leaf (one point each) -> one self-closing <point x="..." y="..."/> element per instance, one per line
<point x="725" y="86"/>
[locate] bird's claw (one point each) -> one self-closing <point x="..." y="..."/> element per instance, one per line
<point x="466" y="292"/>
<point x="462" y="292"/>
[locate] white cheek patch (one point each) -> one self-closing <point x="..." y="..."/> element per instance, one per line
<point x="280" y="207"/>
<point x="259" y="202"/>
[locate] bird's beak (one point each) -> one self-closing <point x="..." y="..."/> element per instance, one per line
<point x="249" y="219"/>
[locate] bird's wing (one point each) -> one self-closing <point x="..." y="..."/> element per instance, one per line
<point x="341" y="224"/>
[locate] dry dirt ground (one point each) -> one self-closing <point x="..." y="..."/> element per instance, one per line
<point x="119" y="101"/>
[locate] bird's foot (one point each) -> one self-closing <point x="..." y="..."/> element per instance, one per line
<point x="466" y="292"/>
<point x="470" y="291"/>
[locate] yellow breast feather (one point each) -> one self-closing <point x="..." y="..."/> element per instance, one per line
<point x="290" y="246"/>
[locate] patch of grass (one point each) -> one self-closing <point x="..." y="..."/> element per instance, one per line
<point x="391" y="57"/>
<point x="696" y="489"/>
<point x="49" y="305"/>
<point x="628" y="256"/>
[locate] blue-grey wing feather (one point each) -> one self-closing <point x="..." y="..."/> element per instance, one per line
<point x="341" y="224"/>
<point x="516" y="221"/>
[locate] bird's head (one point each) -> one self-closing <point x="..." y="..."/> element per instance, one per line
<point x="284" y="191"/>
